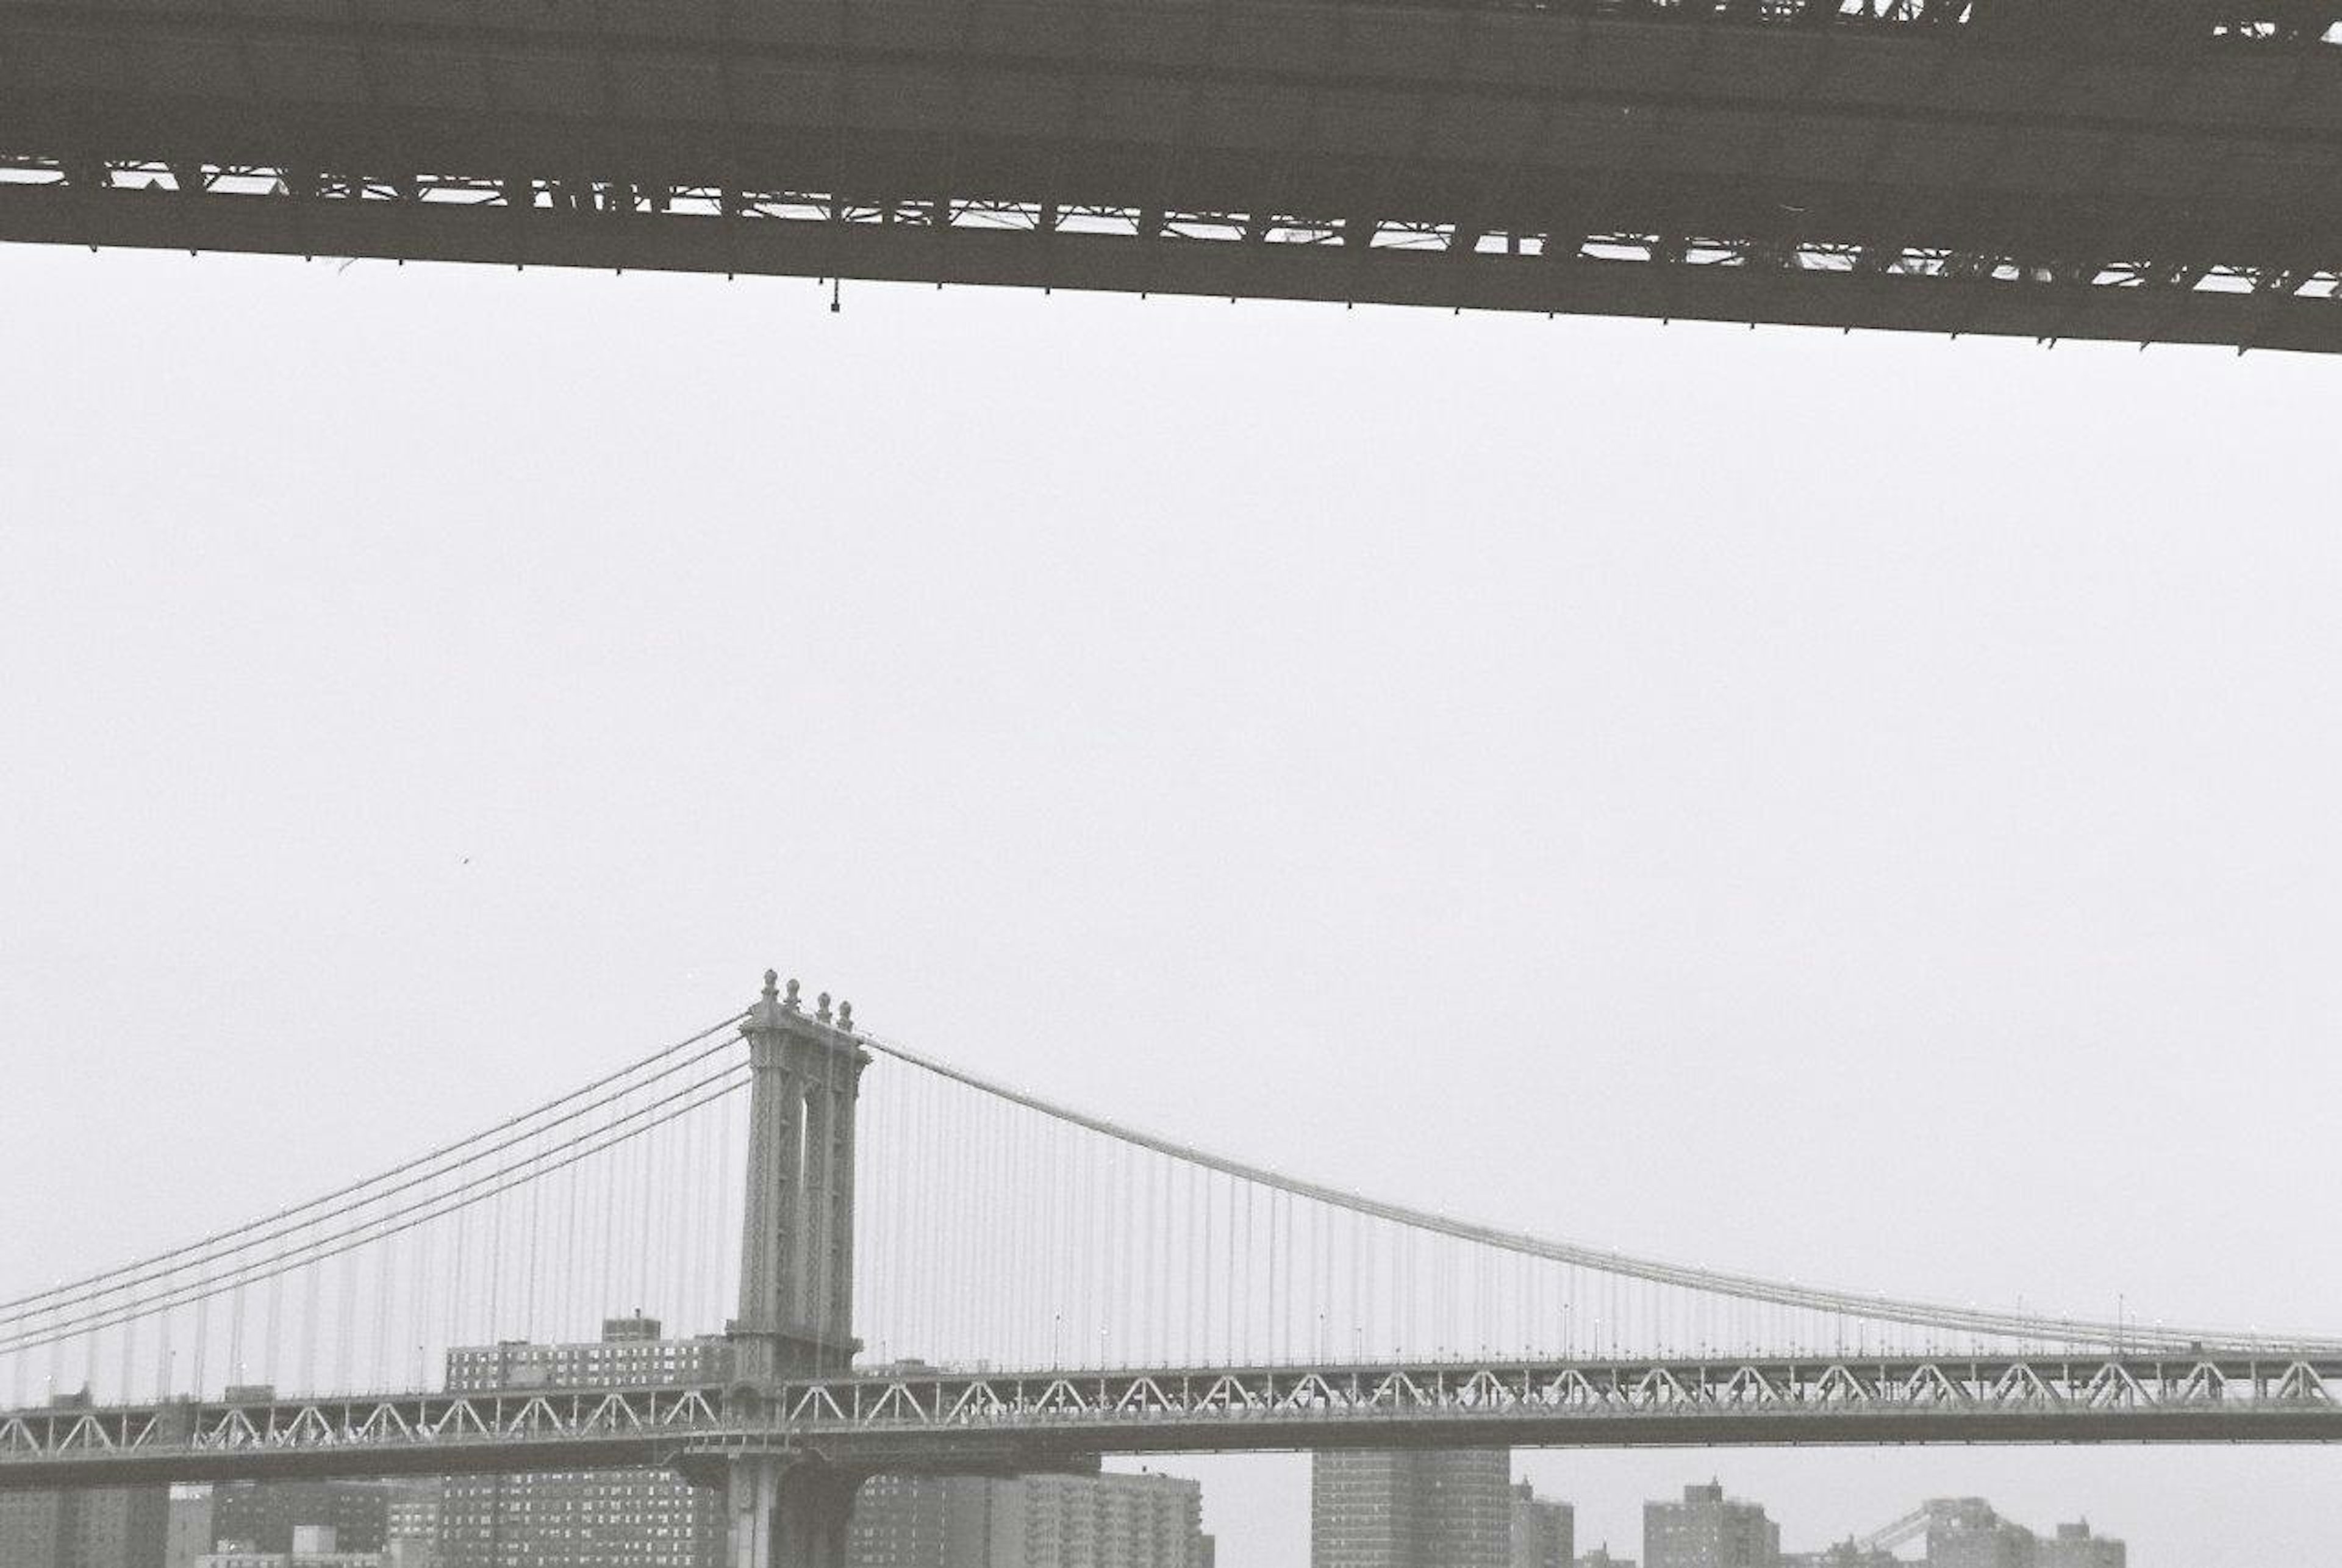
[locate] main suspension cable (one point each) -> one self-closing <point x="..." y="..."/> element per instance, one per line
<point x="472" y="1194"/>
<point x="1925" y="1314"/>
<point x="212" y="1242"/>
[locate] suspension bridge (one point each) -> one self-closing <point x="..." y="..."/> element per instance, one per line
<point x="920" y="1269"/>
<point x="2135" y="170"/>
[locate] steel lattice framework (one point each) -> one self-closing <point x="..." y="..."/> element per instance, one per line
<point x="2039" y="167"/>
<point x="925" y="1418"/>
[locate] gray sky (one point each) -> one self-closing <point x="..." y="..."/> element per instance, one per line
<point x="1854" y="807"/>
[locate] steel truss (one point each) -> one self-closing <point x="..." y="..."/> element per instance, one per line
<point x="943" y="1418"/>
<point x="622" y="223"/>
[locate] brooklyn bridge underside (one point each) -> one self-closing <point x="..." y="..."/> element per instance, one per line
<point x="2154" y="171"/>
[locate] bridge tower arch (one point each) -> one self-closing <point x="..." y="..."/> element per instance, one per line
<point x="796" y="1248"/>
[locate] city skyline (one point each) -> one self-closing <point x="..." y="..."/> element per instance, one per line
<point x="912" y="1518"/>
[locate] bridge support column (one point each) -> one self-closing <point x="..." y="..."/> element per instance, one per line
<point x="788" y="1512"/>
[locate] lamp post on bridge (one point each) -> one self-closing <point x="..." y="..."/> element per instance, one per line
<point x="797" y="1269"/>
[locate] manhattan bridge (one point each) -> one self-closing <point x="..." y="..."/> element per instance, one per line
<point x="916" y="1269"/>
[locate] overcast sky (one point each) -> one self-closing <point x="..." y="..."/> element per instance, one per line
<point x="1850" y="808"/>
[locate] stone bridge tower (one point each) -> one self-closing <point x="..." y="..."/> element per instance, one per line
<point x="796" y="1251"/>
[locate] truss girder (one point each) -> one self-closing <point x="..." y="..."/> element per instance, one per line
<point x="1830" y="1400"/>
<point x="1732" y="276"/>
<point x="1756" y="166"/>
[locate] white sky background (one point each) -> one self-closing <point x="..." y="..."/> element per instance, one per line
<point x="1859" y="808"/>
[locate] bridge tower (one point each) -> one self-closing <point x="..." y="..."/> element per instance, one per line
<point x="796" y="1250"/>
<point x="796" y="1268"/>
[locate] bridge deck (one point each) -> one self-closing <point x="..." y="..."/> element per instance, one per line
<point x="2046" y="170"/>
<point x="935" y="1419"/>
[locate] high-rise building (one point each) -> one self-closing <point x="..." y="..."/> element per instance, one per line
<point x="2074" y="1547"/>
<point x="587" y="1519"/>
<point x="919" y="1522"/>
<point x="105" y="1527"/>
<point x="1708" y="1530"/>
<point x="1112" y="1521"/>
<point x="187" y="1534"/>
<point x="1108" y="1521"/>
<point x="411" y="1536"/>
<point x="629" y="1355"/>
<point x="1544" y="1533"/>
<point x="261" y="1516"/>
<point x="1401" y="1509"/>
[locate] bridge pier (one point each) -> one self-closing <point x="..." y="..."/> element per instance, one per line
<point x="788" y="1512"/>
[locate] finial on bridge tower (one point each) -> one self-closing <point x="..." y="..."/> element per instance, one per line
<point x="790" y="1001"/>
<point x="846" y="1017"/>
<point x="767" y="1011"/>
<point x="821" y="1007"/>
<point x="769" y="1008"/>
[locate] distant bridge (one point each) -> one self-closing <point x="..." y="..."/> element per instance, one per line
<point x="958" y="1275"/>
<point x="2136" y="170"/>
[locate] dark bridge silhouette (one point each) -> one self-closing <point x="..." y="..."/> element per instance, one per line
<point x="2147" y="170"/>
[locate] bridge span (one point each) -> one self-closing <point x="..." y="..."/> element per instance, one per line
<point x="943" y="1273"/>
<point x="931" y="1420"/>
<point x="2050" y="168"/>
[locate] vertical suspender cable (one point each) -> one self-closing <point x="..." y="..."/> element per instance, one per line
<point x="235" y="1336"/>
<point x="1159" y="1188"/>
<point x="642" y="1201"/>
<point x="162" y="1346"/>
<point x="534" y="1196"/>
<point x="380" y="1368"/>
<point x="346" y="1327"/>
<point x="197" y="1357"/>
<point x="309" y="1289"/>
